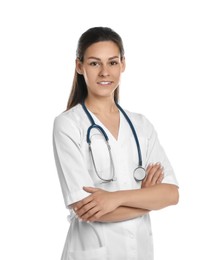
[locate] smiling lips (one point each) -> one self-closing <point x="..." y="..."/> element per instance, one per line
<point x="104" y="83"/>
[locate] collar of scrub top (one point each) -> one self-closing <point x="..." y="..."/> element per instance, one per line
<point x="139" y="172"/>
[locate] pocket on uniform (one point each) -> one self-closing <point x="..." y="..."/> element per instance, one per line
<point x="92" y="254"/>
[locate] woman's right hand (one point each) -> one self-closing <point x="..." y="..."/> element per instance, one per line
<point x="154" y="175"/>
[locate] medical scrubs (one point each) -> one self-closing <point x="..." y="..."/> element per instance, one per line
<point x="131" y="239"/>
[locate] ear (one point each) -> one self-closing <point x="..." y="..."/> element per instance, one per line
<point x="123" y="62"/>
<point x="79" y="66"/>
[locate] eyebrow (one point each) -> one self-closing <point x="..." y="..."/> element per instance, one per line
<point x="95" y="58"/>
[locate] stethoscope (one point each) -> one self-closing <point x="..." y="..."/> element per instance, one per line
<point x="139" y="173"/>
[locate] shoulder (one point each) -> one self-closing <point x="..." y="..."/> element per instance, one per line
<point x="138" y="118"/>
<point x="68" y="119"/>
<point x="71" y="115"/>
<point x="140" y="121"/>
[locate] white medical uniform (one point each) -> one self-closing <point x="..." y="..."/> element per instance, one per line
<point x="126" y="240"/>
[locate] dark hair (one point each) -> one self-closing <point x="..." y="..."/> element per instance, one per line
<point x="92" y="35"/>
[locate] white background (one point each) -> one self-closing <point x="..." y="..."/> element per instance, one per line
<point x="173" y="76"/>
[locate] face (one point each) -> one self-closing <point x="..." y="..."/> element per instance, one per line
<point x="101" y="67"/>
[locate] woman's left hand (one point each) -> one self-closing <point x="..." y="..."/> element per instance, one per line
<point x="99" y="203"/>
<point x="155" y="175"/>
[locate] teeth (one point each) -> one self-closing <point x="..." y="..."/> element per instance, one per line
<point x="104" y="82"/>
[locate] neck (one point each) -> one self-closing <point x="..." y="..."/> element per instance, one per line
<point x="101" y="106"/>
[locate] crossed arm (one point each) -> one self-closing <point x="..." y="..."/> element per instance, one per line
<point x="105" y="206"/>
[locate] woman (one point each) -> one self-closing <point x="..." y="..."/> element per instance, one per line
<point x="111" y="166"/>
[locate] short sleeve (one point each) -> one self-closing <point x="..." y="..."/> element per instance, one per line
<point x="69" y="159"/>
<point x="156" y="154"/>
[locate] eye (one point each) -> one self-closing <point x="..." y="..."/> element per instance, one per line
<point x="112" y="63"/>
<point x="94" y="63"/>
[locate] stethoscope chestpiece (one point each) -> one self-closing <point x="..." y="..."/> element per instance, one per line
<point x="139" y="173"/>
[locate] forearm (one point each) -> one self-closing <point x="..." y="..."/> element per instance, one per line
<point x="151" y="198"/>
<point x="103" y="203"/>
<point x="122" y="213"/>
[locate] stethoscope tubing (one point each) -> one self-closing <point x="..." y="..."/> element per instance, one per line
<point x="134" y="134"/>
<point x="94" y="125"/>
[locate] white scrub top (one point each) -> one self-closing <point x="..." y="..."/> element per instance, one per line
<point x="127" y="240"/>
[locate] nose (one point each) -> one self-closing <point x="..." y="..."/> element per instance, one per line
<point x="104" y="71"/>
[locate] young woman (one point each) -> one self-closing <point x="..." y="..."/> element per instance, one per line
<point x="111" y="166"/>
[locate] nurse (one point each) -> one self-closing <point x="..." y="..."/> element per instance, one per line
<point x="109" y="206"/>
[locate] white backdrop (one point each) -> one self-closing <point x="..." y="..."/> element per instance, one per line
<point x="173" y="76"/>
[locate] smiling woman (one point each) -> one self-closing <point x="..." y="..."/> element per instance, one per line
<point x="109" y="204"/>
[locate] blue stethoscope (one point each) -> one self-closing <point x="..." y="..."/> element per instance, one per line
<point x="139" y="173"/>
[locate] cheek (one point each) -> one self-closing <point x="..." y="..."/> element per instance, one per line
<point x="89" y="75"/>
<point x="119" y="71"/>
<point x="118" y="75"/>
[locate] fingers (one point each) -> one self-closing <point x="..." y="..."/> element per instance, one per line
<point x="90" y="212"/>
<point x="80" y="204"/>
<point x="87" y="212"/>
<point x="97" y="204"/>
<point x="90" y="206"/>
<point x="155" y="173"/>
<point x="154" y="176"/>
<point x="87" y="208"/>
<point x="85" y="204"/>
